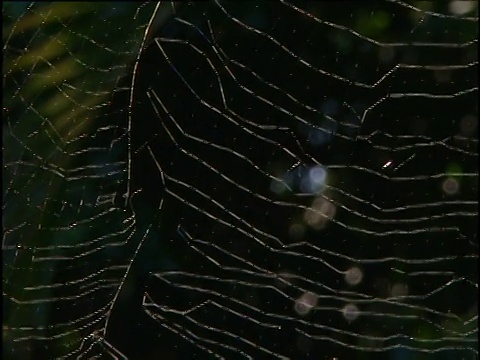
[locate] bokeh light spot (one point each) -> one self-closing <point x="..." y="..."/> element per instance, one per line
<point x="305" y="303"/>
<point x="399" y="289"/>
<point x="450" y="186"/>
<point x="353" y="276"/>
<point x="314" y="181"/>
<point x="320" y="213"/>
<point x="350" y="312"/>
<point x="462" y="7"/>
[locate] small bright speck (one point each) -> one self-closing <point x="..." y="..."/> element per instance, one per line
<point x="387" y="164"/>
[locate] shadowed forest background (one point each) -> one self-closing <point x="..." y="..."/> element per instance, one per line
<point x="230" y="179"/>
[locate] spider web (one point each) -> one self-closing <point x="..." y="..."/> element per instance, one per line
<point x="240" y="179"/>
